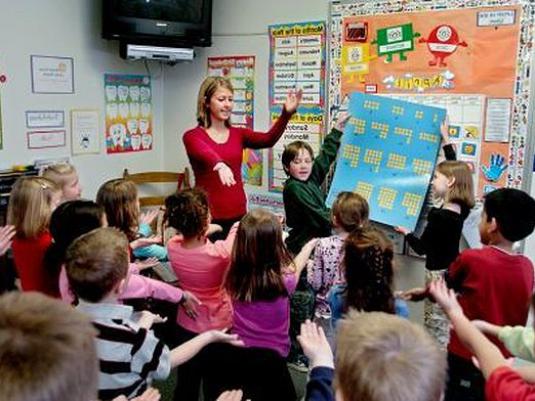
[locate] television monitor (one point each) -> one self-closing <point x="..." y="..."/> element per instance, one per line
<point x="183" y="23"/>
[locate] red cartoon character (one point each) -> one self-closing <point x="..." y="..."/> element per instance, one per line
<point x="442" y="42"/>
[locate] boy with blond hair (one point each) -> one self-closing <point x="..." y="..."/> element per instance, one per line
<point x="130" y="354"/>
<point x="47" y="350"/>
<point x="379" y="357"/>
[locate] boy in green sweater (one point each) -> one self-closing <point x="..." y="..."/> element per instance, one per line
<point x="306" y="216"/>
<point x="304" y="201"/>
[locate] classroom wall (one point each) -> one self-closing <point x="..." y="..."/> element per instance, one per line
<point x="71" y="29"/>
<point x="239" y="28"/>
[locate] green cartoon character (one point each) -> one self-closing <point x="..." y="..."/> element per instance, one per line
<point x="395" y="40"/>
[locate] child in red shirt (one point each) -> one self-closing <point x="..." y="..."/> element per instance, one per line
<point x="503" y="383"/>
<point x="31" y="203"/>
<point x="493" y="283"/>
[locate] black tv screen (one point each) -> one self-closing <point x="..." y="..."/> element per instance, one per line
<point x="158" y="22"/>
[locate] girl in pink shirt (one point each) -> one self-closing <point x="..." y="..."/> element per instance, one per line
<point x="75" y="218"/>
<point x="200" y="266"/>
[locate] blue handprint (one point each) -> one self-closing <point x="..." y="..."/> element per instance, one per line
<point x="496" y="168"/>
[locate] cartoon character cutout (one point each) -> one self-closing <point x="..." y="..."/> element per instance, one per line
<point x="356" y="61"/>
<point x="395" y="40"/>
<point x="442" y="42"/>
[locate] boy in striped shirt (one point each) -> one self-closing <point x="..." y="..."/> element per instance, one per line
<point x="130" y="355"/>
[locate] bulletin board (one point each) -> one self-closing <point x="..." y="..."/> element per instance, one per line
<point x="470" y="57"/>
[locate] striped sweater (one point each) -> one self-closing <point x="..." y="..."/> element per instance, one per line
<point x="130" y="356"/>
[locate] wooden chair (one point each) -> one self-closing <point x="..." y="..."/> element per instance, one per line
<point x="149" y="178"/>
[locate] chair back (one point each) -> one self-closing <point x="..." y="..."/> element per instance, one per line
<point x="150" y="180"/>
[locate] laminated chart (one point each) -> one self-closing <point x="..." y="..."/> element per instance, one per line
<point x="387" y="155"/>
<point x="297" y="60"/>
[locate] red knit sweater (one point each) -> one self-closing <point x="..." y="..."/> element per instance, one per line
<point x="226" y="202"/>
<point x="28" y="255"/>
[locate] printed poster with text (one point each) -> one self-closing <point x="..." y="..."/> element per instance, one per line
<point x="297" y="60"/>
<point x="128" y="113"/>
<point x="240" y="70"/>
<point x="463" y="60"/>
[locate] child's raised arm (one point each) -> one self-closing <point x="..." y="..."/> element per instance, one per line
<point x="315" y="345"/>
<point x="6" y="235"/>
<point x="518" y="340"/>
<point x="329" y="149"/>
<point x="487" y="354"/>
<point x="301" y="259"/>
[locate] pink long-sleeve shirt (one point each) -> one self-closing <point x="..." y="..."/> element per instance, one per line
<point x="137" y="286"/>
<point x="226" y="202"/>
<point x="202" y="271"/>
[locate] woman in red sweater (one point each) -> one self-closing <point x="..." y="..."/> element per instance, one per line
<point x="215" y="148"/>
<point x="31" y="203"/>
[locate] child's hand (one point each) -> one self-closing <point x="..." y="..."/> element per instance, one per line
<point x="445" y="297"/>
<point x="414" y="294"/>
<point x="226" y="176"/>
<point x="315" y="345"/>
<point x="146" y="241"/>
<point x="149" y="216"/>
<point x="190" y="303"/>
<point x="212" y="229"/>
<point x="221" y="336"/>
<point x="292" y="100"/>
<point x="402" y="230"/>
<point x="147" y="319"/>
<point x="145" y="264"/>
<point x="341" y="120"/>
<point x="6" y="235"/>
<point x="230" y="395"/>
<point x="444" y="127"/>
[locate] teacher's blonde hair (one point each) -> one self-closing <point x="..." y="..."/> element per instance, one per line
<point x="206" y="91"/>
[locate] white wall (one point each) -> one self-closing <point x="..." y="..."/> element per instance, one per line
<point x="68" y="28"/>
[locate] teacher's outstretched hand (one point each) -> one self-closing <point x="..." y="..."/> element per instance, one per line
<point x="292" y="100"/>
<point x="225" y="174"/>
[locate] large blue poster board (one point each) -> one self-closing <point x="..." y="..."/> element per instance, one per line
<point x="387" y="155"/>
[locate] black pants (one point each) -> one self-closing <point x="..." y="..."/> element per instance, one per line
<point x="302" y="304"/>
<point x="261" y="373"/>
<point x="465" y="381"/>
<point x="189" y="374"/>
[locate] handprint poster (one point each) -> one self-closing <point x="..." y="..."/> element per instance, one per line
<point x="129" y="118"/>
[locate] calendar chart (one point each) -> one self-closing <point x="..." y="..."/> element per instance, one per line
<point x="387" y="155"/>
